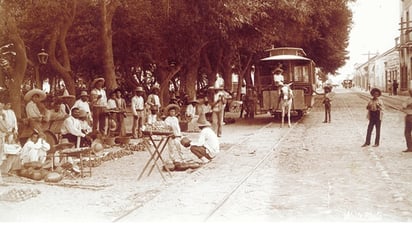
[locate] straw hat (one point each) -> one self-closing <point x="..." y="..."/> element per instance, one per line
<point x="202" y="122"/>
<point x="139" y="89"/>
<point x="194" y="100"/>
<point x="84" y="94"/>
<point x="172" y="106"/>
<point x="278" y="70"/>
<point x="69" y="97"/>
<point x="31" y="93"/>
<point x="155" y="86"/>
<point x="376" y="90"/>
<point x="96" y="80"/>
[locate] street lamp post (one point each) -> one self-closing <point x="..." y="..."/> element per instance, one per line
<point x="42" y="57"/>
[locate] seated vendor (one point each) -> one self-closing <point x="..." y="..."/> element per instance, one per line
<point x="35" y="149"/>
<point x="72" y="128"/>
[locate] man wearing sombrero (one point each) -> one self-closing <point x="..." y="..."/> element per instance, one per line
<point x="33" y="112"/>
<point x="99" y="104"/>
<point x="207" y="146"/>
<point x="83" y="104"/>
<point x="375" y="109"/>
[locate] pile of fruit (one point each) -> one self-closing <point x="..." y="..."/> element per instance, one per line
<point x="158" y="127"/>
<point x="17" y="195"/>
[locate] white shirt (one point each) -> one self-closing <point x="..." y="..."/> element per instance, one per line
<point x="219" y="83"/>
<point x="32" y="110"/>
<point x="72" y="126"/>
<point x="191" y="111"/>
<point x="11" y="120"/>
<point x="82" y="105"/>
<point x="98" y="102"/>
<point x="111" y="104"/>
<point x="153" y="99"/>
<point x="151" y="118"/>
<point x="173" y="122"/>
<point x="32" y="151"/>
<point x="137" y="104"/>
<point x="278" y="78"/>
<point x="209" y="139"/>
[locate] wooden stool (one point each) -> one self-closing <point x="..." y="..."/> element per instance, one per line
<point x="57" y="148"/>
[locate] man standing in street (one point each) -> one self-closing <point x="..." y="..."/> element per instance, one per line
<point x="375" y="109"/>
<point x="407" y="108"/>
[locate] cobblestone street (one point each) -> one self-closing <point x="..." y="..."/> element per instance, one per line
<point x="318" y="172"/>
<point x="313" y="171"/>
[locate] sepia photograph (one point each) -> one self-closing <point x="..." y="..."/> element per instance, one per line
<point x="205" y="112"/>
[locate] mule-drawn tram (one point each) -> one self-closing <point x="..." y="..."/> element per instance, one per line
<point x="297" y="69"/>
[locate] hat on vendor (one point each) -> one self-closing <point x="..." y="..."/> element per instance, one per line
<point x="95" y="81"/>
<point x="193" y="101"/>
<point x="66" y="95"/>
<point x="139" y="89"/>
<point x="155" y="87"/>
<point x="376" y="90"/>
<point x="172" y="106"/>
<point x="215" y="88"/>
<point x="278" y="70"/>
<point x="84" y="93"/>
<point x="202" y="122"/>
<point x="31" y="93"/>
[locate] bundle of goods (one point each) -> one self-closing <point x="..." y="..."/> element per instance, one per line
<point x="157" y="128"/>
<point x="33" y="170"/>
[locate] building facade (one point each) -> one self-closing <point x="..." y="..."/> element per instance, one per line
<point x="405" y="45"/>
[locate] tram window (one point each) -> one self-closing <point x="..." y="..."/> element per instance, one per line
<point x="301" y="74"/>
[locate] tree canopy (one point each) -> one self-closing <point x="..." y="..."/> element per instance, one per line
<point x="181" y="42"/>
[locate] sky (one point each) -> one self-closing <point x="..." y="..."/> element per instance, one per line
<point x="375" y="27"/>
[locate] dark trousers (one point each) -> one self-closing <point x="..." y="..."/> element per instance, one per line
<point x="84" y="141"/>
<point x="99" y="119"/>
<point x="327" y="112"/>
<point x="408" y="129"/>
<point x="373" y="122"/>
<point x="200" y="151"/>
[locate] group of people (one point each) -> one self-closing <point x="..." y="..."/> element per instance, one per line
<point x="86" y="117"/>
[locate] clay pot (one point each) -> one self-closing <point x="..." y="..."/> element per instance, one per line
<point x="53" y="177"/>
<point x="36" y="175"/>
<point x="110" y="141"/>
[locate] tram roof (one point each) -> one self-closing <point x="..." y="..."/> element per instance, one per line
<point x="285" y="57"/>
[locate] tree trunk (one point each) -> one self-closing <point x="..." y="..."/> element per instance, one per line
<point x="17" y="73"/>
<point x="58" y="37"/>
<point x="191" y="76"/>
<point x="107" y="9"/>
